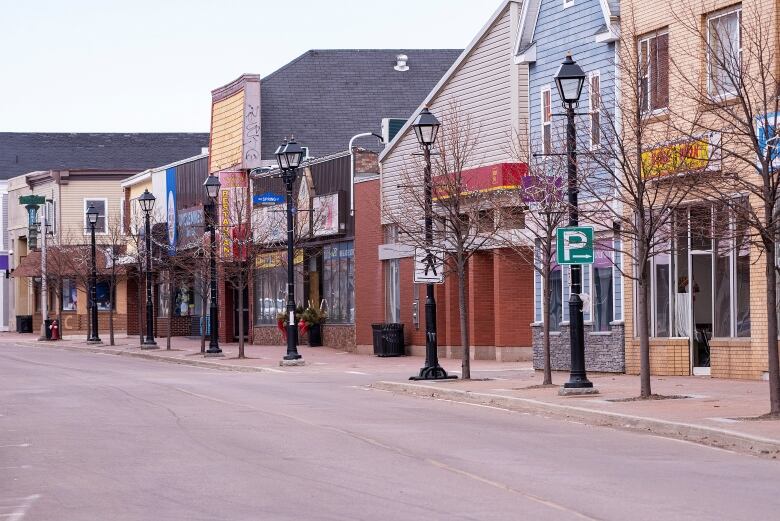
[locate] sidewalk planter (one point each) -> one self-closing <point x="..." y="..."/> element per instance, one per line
<point x="388" y="339"/>
<point x="315" y="335"/>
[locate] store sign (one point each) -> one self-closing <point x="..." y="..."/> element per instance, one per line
<point x="170" y="191"/>
<point x="269" y="224"/>
<point x="232" y="208"/>
<point x="428" y="266"/>
<point x="191" y="228"/>
<point x="769" y="137"/>
<point x="327" y="215"/>
<point x="277" y="259"/>
<point x="342" y="250"/>
<point x="575" y="245"/>
<point x="502" y="176"/>
<point x="267" y="199"/>
<point x="679" y="158"/>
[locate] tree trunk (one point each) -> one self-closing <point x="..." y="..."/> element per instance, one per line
<point x="546" y="300"/>
<point x="204" y="303"/>
<point x="644" y="335"/>
<point x="171" y="300"/>
<point x="141" y="313"/>
<point x="773" y="357"/>
<point x="111" y="288"/>
<point x="241" y="315"/>
<point x="464" y="322"/>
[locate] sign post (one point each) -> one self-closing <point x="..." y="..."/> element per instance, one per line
<point x="574" y="245"/>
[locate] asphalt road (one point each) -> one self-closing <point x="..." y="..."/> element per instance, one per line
<point x="97" y="437"/>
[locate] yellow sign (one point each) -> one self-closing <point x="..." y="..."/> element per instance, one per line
<point x="676" y="158"/>
<point x="277" y="259"/>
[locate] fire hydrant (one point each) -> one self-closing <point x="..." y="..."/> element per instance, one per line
<point x="55" y="330"/>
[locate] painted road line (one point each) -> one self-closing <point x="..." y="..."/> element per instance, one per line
<point x="356" y="372"/>
<point x="18" y="445"/>
<point x="21" y="508"/>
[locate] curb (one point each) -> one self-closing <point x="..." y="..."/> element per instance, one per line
<point x="710" y="436"/>
<point x="158" y="358"/>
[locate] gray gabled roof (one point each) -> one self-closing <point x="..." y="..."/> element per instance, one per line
<point x="22" y="152"/>
<point x="324" y="97"/>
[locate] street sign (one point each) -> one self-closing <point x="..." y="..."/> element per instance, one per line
<point x="428" y="266"/>
<point x="575" y="245"/>
<point x="267" y="199"/>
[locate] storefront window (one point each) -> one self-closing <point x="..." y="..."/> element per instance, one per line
<point x="556" y="299"/>
<point x="69" y="295"/>
<point x="338" y="284"/>
<point x="103" y="292"/>
<point x="662" y="271"/>
<point x="743" y="281"/>
<point x="603" y="302"/>
<point x="393" y="290"/>
<point x="271" y="286"/>
<point x="722" y="289"/>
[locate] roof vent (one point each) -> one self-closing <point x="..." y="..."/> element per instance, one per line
<point x="400" y="64"/>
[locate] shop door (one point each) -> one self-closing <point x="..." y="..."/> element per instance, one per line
<point x="244" y="311"/>
<point x="702" y="297"/>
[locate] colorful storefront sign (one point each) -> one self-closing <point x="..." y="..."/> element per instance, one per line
<point x="677" y="158"/>
<point x="502" y="176"/>
<point x="170" y="198"/>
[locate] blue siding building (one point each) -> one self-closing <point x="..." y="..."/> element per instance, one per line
<point x="588" y="29"/>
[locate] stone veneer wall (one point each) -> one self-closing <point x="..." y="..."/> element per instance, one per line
<point x="604" y="352"/>
<point x="333" y="335"/>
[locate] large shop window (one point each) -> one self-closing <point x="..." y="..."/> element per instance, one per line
<point x="103" y="295"/>
<point x="393" y="291"/>
<point x="701" y="282"/>
<point x="69" y="295"/>
<point x="271" y="286"/>
<point x="338" y="283"/>
<point x="555" y="315"/>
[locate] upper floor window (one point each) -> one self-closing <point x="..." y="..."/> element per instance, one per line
<point x="724" y="52"/>
<point x="654" y="72"/>
<point x="100" y="205"/>
<point x="546" y="121"/>
<point x="595" y="109"/>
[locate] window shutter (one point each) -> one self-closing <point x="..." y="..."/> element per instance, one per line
<point x="661" y="72"/>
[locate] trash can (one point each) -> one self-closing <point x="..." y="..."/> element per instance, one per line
<point x="24" y="323"/>
<point x="376" y="329"/>
<point x="393" y="340"/>
<point x="48" y="328"/>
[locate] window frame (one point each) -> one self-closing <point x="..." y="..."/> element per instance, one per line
<point x="595" y="112"/>
<point x="545" y="123"/>
<point x="722" y="13"/>
<point x="105" y="216"/>
<point x="648" y="73"/>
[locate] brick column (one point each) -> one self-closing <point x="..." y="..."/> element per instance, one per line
<point x="480" y="300"/>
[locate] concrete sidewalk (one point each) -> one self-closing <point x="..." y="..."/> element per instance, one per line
<point x="714" y="412"/>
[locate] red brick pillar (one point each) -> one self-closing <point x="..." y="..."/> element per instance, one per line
<point x="513" y="298"/>
<point x="480" y="300"/>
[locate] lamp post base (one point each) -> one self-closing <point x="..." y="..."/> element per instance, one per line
<point x="285" y="362"/>
<point x="94" y="341"/>
<point x="149" y="345"/>
<point x="436" y="372"/>
<point x="577" y="391"/>
<point x="213" y="353"/>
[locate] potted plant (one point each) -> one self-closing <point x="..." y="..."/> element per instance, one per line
<point x="281" y="320"/>
<point x="311" y="320"/>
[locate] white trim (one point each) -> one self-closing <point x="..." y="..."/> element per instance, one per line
<point x="714" y="16"/>
<point x="542" y="90"/>
<point x="146" y="174"/>
<point x="529" y="56"/>
<point x="568" y="3"/>
<point x="591" y="76"/>
<point x="105" y="219"/>
<point x="446" y="78"/>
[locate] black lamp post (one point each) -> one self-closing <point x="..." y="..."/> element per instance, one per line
<point x="212" y="191"/>
<point x="92" y="219"/>
<point x="426" y="127"/>
<point x="147" y="205"/>
<point x="289" y="157"/>
<point x="569" y="80"/>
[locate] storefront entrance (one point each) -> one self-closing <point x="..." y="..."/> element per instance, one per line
<point x="245" y="311"/>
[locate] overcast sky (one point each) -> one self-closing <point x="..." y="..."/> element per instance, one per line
<point x="150" y="65"/>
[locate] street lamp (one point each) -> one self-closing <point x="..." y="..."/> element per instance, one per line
<point x="212" y="187"/>
<point x="147" y="205"/>
<point x="289" y="157"/>
<point x="569" y="80"/>
<point x="92" y="219"/>
<point x="426" y="128"/>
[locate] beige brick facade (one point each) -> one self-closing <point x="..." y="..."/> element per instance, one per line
<point x="729" y="357"/>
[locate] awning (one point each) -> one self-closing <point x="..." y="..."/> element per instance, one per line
<point x="65" y="261"/>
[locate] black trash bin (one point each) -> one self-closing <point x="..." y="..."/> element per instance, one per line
<point x="24" y="324"/>
<point x="48" y="328"/>
<point x="376" y="329"/>
<point x="393" y="340"/>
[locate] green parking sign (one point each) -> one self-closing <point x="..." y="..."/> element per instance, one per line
<point x="575" y="245"/>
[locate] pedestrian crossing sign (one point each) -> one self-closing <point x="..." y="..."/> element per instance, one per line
<point x="428" y="266"/>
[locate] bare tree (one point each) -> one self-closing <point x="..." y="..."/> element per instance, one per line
<point x="528" y="219"/>
<point x="635" y="176"/>
<point x="464" y="216"/>
<point x="739" y="101"/>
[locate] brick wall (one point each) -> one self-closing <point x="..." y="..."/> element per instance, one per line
<point x="481" y="303"/>
<point x="366" y="162"/>
<point x="369" y="277"/>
